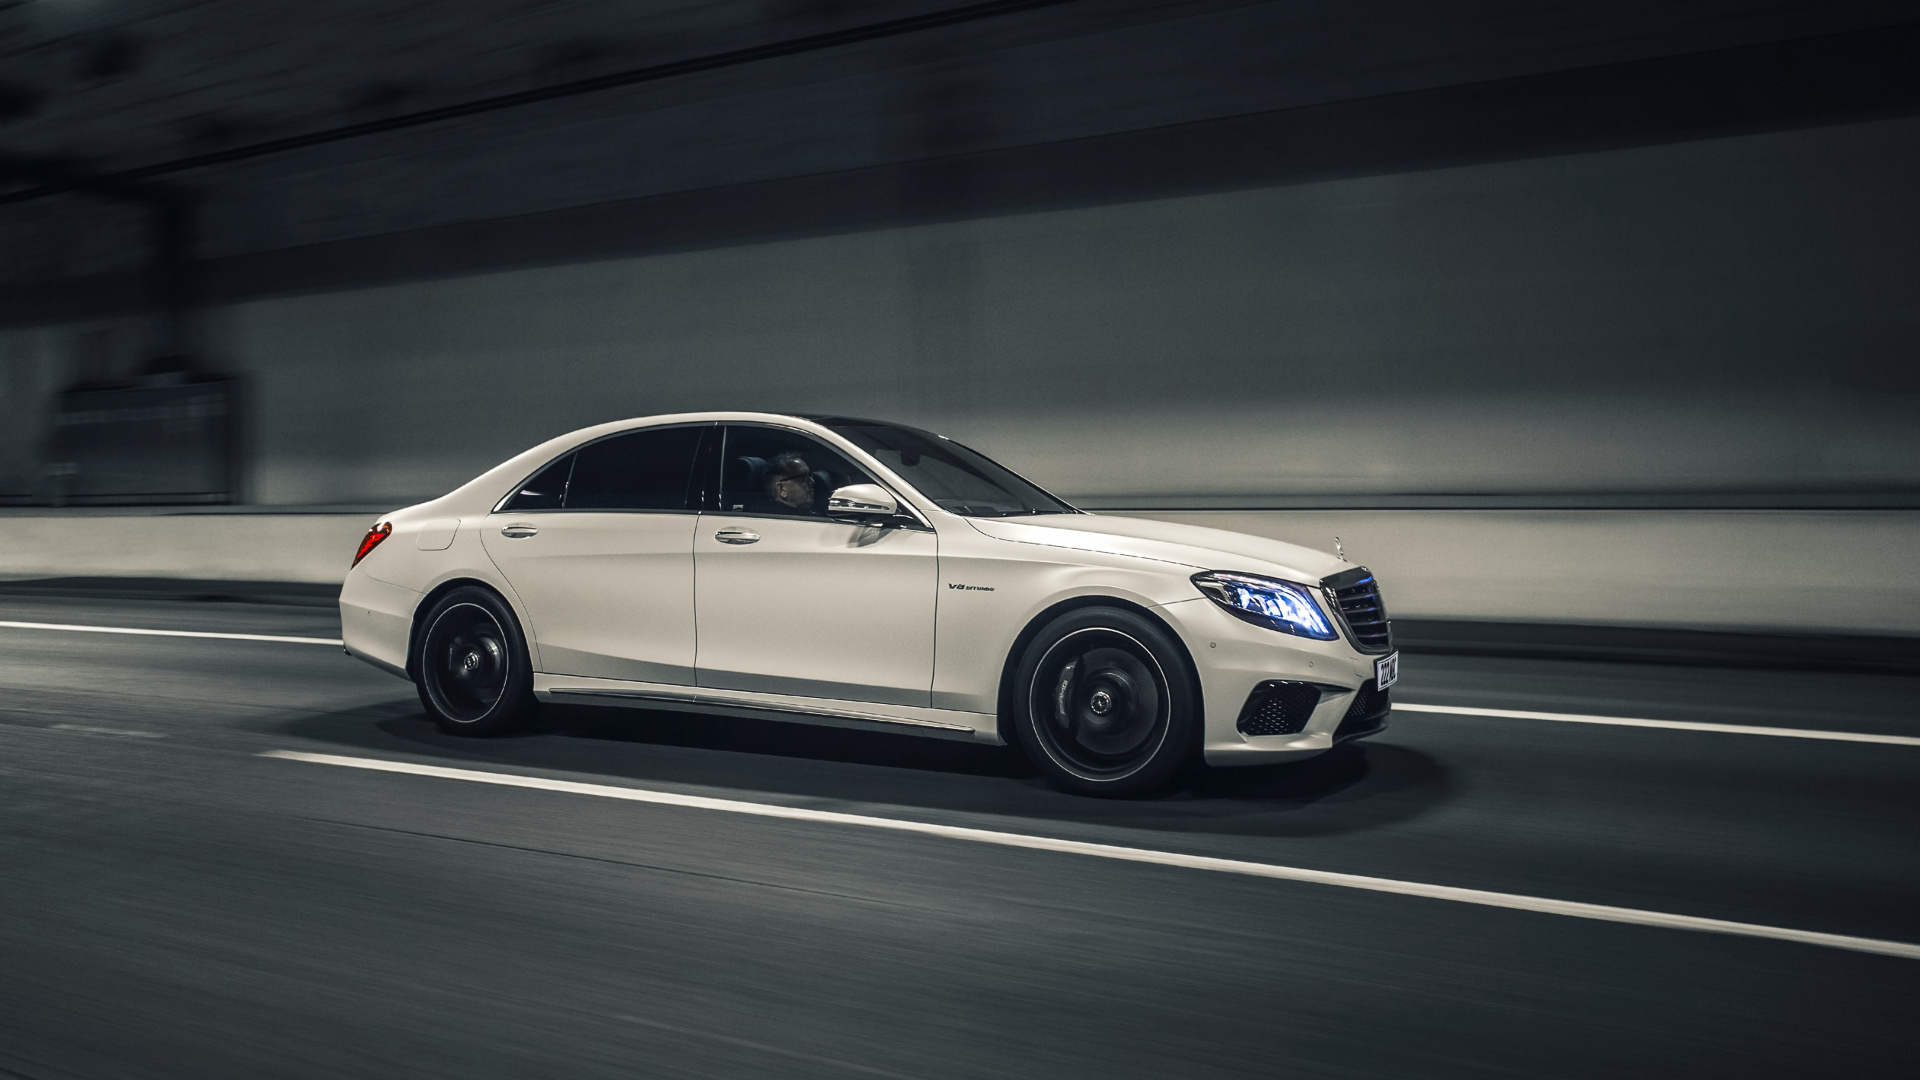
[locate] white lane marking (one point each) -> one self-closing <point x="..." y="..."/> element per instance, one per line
<point x="167" y="633"/>
<point x="1544" y="905"/>
<point x="1675" y="725"/>
<point x="91" y="730"/>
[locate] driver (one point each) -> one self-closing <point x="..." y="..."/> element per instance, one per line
<point x="789" y="487"/>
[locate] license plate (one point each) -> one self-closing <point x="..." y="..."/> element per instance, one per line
<point x="1386" y="671"/>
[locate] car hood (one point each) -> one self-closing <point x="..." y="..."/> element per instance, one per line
<point x="1165" y="541"/>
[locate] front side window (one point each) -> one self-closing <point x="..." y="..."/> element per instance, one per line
<point x="775" y="471"/>
<point x="641" y="470"/>
<point x="959" y="480"/>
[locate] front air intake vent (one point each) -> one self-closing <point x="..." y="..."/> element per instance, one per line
<point x="1278" y="708"/>
<point x="1356" y="597"/>
<point x="1367" y="714"/>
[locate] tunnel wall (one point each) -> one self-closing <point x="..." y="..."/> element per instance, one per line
<point x="1683" y="324"/>
<point x="1728" y="315"/>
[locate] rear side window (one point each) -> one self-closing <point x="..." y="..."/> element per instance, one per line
<point x="644" y="470"/>
<point x="545" y="490"/>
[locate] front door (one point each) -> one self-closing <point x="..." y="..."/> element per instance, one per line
<point x="790" y="601"/>
<point x="599" y="548"/>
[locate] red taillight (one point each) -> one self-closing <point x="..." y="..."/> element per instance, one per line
<point x="372" y="540"/>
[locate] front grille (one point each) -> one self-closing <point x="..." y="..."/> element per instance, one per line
<point x="1357" y="595"/>
<point x="1367" y="714"/>
<point x="1278" y="708"/>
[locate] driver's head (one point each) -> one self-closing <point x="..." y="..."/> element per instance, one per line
<point x="790" y="482"/>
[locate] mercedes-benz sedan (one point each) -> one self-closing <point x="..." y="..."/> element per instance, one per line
<point x="869" y="575"/>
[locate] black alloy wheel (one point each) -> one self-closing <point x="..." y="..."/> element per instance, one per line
<point x="472" y="669"/>
<point x="1105" y="703"/>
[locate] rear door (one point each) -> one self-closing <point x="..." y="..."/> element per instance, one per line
<point x="599" y="547"/>
<point x="793" y="602"/>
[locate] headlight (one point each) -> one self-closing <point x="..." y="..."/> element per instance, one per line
<point x="1276" y="605"/>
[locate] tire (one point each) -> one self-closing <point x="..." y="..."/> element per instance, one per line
<point x="471" y="667"/>
<point x="1105" y="703"/>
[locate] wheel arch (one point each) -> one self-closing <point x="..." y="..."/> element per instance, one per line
<point x="1009" y="669"/>
<point x="433" y="596"/>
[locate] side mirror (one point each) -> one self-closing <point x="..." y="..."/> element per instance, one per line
<point x="863" y="501"/>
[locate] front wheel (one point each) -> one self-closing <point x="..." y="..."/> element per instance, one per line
<point x="472" y="670"/>
<point x="1105" y="704"/>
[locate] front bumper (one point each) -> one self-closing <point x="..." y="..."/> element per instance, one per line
<point x="1233" y="657"/>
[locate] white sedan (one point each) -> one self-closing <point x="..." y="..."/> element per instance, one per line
<point x="863" y="574"/>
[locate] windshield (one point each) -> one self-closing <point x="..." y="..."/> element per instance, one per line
<point x="958" y="480"/>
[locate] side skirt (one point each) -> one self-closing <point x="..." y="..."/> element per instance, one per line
<point x="857" y="715"/>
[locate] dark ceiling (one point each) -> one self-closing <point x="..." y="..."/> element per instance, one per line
<point x="280" y="146"/>
<point x="105" y="85"/>
<point x="120" y="82"/>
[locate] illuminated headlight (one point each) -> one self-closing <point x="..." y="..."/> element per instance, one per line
<point x="1276" y="605"/>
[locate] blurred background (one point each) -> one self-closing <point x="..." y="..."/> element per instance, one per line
<point x="1593" y="329"/>
<point x="1561" y="312"/>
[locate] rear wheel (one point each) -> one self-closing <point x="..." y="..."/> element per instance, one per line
<point x="1105" y="704"/>
<point x="473" y="673"/>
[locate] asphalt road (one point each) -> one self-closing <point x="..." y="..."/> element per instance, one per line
<point x="174" y="904"/>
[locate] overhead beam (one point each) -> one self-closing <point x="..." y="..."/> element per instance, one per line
<point x="1843" y="78"/>
<point x="889" y="28"/>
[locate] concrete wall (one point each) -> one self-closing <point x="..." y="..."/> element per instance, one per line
<point x="1788" y="572"/>
<point x="1684" y="321"/>
<point x="1726" y="315"/>
<point x="1776" y="571"/>
<point x="1734" y="314"/>
<point x="315" y="548"/>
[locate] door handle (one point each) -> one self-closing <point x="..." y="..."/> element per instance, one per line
<point x="518" y="532"/>
<point x="737" y="536"/>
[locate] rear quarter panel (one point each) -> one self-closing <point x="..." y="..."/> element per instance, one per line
<point x="429" y="548"/>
